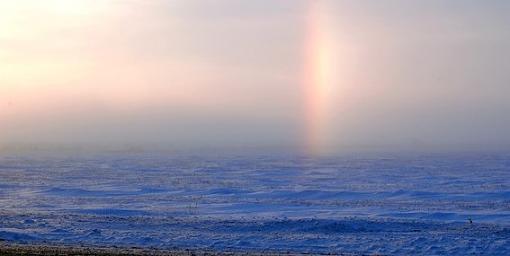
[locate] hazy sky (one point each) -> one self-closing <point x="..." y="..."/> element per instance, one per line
<point x="314" y="75"/>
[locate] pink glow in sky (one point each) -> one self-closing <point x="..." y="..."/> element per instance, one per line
<point x="319" y="76"/>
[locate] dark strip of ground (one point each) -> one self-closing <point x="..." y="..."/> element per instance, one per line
<point x="48" y="250"/>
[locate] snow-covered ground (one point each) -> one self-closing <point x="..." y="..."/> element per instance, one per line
<point x="394" y="205"/>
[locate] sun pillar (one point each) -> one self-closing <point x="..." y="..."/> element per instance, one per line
<point x="316" y="79"/>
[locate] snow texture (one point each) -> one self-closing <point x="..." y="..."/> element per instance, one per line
<point x="398" y="205"/>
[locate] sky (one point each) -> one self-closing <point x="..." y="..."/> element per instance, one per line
<point x="317" y="76"/>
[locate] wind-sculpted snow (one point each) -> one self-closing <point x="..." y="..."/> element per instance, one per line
<point x="402" y="205"/>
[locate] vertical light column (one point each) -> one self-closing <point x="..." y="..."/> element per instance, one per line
<point x="317" y="80"/>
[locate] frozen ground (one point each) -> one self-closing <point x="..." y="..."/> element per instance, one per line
<point x="398" y="205"/>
